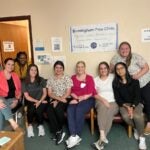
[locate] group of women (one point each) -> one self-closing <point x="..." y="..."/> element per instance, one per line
<point x="123" y="87"/>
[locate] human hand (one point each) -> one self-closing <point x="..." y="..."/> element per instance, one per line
<point x="14" y="103"/>
<point x="2" y="105"/>
<point x="55" y="102"/>
<point x="44" y="102"/>
<point x="74" y="101"/>
<point x="63" y="100"/>
<point x="136" y="76"/>
<point x="106" y="103"/>
<point x="37" y="104"/>
<point x="130" y="112"/>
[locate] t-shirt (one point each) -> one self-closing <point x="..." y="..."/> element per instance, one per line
<point x="104" y="87"/>
<point x="137" y="62"/>
<point x="34" y="89"/>
<point x="12" y="88"/>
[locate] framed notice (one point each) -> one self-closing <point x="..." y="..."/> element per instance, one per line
<point x="8" y="46"/>
<point x="100" y="37"/>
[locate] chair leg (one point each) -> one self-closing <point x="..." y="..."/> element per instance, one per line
<point x="92" y="120"/>
<point x="129" y="131"/>
<point x="16" y="117"/>
<point x="25" y="117"/>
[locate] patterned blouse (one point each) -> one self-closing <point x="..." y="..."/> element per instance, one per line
<point x="137" y="62"/>
<point x="59" y="86"/>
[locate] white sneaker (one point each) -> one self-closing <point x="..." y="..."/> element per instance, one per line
<point x="30" y="132"/>
<point x="105" y="141"/>
<point x="60" y="137"/>
<point x="41" y="130"/>
<point x="98" y="145"/>
<point x="73" y="141"/>
<point x="136" y="135"/>
<point x="142" y="143"/>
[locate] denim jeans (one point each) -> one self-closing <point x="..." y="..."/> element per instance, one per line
<point x="5" y="113"/>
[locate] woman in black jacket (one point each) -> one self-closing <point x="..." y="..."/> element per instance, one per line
<point x="127" y="95"/>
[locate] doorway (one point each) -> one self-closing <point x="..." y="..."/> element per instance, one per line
<point x="15" y="36"/>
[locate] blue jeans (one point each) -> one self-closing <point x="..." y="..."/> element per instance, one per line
<point x="76" y="115"/>
<point x="5" y="113"/>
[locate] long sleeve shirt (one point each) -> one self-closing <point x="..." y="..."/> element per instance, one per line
<point x="128" y="93"/>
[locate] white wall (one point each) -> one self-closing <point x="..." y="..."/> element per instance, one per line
<point x="52" y="18"/>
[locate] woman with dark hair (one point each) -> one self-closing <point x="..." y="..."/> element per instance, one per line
<point x="106" y="106"/>
<point x="59" y="87"/>
<point x="21" y="64"/>
<point x="138" y="69"/>
<point x="10" y="93"/>
<point x="127" y="95"/>
<point x="34" y="89"/>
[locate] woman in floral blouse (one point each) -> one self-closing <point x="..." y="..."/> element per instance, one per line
<point x="59" y="88"/>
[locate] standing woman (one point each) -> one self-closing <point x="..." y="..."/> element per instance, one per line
<point x="106" y="106"/>
<point x="21" y="64"/>
<point x="138" y="69"/>
<point x="82" y="101"/>
<point x="59" y="87"/>
<point x="10" y="93"/>
<point x="127" y="95"/>
<point x="34" y="89"/>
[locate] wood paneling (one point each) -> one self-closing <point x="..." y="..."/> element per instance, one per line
<point x="15" y="33"/>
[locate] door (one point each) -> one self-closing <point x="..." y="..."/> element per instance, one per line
<point x="15" y="36"/>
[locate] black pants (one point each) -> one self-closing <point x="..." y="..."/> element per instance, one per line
<point x="145" y="93"/>
<point x="56" y="116"/>
<point x="36" y="113"/>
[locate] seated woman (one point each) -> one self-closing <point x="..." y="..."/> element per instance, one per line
<point x="127" y="95"/>
<point x="106" y="106"/>
<point x="34" y="89"/>
<point x="59" y="87"/>
<point x="10" y="93"/>
<point x="82" y="101"/>
<point x="21" y="64"/>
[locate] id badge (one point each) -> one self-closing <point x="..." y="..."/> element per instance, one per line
<point x="82" y="85"/>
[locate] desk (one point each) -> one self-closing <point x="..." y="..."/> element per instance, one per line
<point x="16" y="142"/>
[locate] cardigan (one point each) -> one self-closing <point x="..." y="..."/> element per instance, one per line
<point x="4" y="85"/>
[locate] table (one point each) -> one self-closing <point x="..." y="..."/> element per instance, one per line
<point x="16" y="142"/>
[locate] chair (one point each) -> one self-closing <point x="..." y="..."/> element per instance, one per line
<point x="91" y="116"/>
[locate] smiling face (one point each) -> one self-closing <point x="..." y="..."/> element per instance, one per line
<point x="58" y="70"/>
<point x="22" y="59"/>
<point x="103" y="70"/>
<point x="9" y="65"/>
<point x="33" y="72"/>
<point x="120" y="70"/>
<point x="80" y="68"/>
<point x="124" y="50"/>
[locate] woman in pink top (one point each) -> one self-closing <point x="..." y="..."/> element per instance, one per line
<point x="10" y="93"/>
<point x="82" y="93"/>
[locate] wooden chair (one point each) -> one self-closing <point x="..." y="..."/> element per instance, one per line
<point x="117" y="119"/>
<point x="91" y="116"/>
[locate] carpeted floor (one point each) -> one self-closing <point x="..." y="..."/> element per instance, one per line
<point x="118" y="140"/>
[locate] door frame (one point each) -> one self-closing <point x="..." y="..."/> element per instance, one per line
<point x="19" y="18"/>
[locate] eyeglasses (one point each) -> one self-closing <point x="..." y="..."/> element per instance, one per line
<point x="120" y="68"/>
